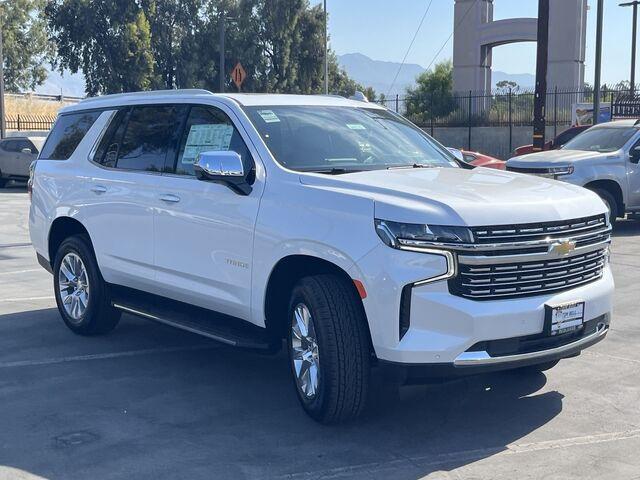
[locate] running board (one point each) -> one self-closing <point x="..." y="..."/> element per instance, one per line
<point x="216" y="326"/>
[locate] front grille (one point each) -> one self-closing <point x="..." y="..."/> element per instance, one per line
<point x="510" y="261"/>
<point x="540" y="231"/>
<point x="510" y="280"/>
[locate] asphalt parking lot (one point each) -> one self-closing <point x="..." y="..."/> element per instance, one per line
<point x="149" y="402"/>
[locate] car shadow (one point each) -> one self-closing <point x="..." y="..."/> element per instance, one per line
<point x="226" y="413"/>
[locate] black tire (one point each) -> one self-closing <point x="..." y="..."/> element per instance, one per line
<point x="539" y="367"/>
<point x="343" y="348"/>
<point x="610" y="202"/>
<point x="3" y="182"/>
<point x="99" y="316"/>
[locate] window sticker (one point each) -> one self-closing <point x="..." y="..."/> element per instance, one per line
<point x="356" y="126"/>
<point x="202" y="138"/>
<point x="268" y="116"/>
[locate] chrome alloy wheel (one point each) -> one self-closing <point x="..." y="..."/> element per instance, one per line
<point x="304" y="346"/>
<point x="73" y="285"/>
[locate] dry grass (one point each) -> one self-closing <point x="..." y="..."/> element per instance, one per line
<point x="15" y="106"/>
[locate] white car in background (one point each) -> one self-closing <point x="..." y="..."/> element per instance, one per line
<point x="333" y="226"/>
<point x="16" y="154"/>
<point x="603" y="158"/>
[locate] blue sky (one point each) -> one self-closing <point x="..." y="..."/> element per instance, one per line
<point x="382" y="30"/>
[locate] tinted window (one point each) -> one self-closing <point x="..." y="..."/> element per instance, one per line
<point x="150" y="132"/>
<point x="67" y="133"/>
<point x="208" y="129"/>
<point x="567" y="135"/>
<point x="22" y="144"/>
<point x="11" y="146"/>
<point x="107" y="151"/>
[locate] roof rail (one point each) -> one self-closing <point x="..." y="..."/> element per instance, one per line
<point x="191" y="91"/>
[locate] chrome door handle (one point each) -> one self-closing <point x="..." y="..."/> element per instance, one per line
<point x="170" y="198"/>
<point x="99" y="189"/>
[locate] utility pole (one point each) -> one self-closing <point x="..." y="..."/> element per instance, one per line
<point x="539" y="107"/>
<point x="3" y="130"/>
<point x="222" y="34"/>
<point x="326" y="52"/>
<point x="632" y="78"/>
<point x="596" y="81"/>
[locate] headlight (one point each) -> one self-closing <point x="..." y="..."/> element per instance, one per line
<point x="398" y="235"/>
<point x="554" y="172"/>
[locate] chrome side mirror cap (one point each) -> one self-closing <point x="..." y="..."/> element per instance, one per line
<point x="456" y="153"/>
<point x="223" y="167"/>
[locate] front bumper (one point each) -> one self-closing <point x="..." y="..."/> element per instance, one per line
<point x="447" y="331"/>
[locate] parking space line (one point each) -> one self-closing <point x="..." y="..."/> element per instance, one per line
<point x="13" y="245"/>
<point x="22" y="271"/>
<point x="105" y="356"/>
<point x="27" y="299"/>
<point x="422" y="461"/>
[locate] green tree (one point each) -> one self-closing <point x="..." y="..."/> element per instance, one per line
<point x="432" y="96"/>
<point x="25" y="44"/>
<point x="109" y="40"/>
<point x="174" y="43"/>
<point x="504" y="86"/>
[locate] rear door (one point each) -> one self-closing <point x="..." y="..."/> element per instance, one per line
<point x="123" y="191"/>
<point x="633" y="181"/>
<point x="203" y="230"/>
<point x="9" y="157"/>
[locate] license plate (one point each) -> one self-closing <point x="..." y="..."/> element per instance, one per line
<point x="564" y="318"/>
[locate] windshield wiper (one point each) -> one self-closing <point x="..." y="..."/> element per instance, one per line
<point x="415" y="165"/>
<point x="333" y="170"/>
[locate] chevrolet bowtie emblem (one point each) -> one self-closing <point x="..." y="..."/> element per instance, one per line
<point x="564" y="247"/>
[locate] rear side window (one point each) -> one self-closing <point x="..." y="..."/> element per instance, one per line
<point x="67" y="133"/>
<point x="10" y="145"/>
<point x="150" y="133"/>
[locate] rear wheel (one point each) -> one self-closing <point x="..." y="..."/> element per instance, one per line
<point x="3" y="182"/>
<point x="328" y="348"/>
<point x="81" y="293"/>
<point x="611" y="203"/>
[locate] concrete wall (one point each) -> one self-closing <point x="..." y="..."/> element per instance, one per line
<point x="492" y="141"/>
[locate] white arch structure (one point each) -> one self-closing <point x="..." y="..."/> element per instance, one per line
<point x="476" y="34"/>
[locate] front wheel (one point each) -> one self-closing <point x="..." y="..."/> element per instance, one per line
<point x="611" y="203"/>
<point x="328" y="347"/>
<point x="81" y="293"/>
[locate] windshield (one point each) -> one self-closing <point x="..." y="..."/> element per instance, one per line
<point x="344" y="139"/>
<point x="603" y="139"/>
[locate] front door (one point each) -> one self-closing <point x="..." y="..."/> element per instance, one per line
<point x="633" y="182"/>
<point x="204" y="231"/>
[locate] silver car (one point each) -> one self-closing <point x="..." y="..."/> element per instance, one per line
<point x="16" y="154"/>
<point x="603" y="158"/>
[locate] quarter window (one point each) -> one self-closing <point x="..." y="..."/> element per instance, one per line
<point x="208" y="129"/>
<point x="67" y="133"/>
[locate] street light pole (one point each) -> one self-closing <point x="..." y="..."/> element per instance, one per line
<point x="326" y="53"/>
<point x="632" y="77"/>
<point x="222" y="34"/>
<point x="596" y="82"/>
<point x="3" y="130"/>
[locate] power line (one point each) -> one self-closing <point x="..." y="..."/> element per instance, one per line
<point x="410" y="45"/>
<point x="450" y="35"/>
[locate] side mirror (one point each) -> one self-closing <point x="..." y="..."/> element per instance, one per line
<point x="223" y="167"/>
<point x="456" y="153"/>
<point x="634" y="154"/>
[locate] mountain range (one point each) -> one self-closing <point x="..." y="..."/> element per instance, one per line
<point x="380" y="74"/>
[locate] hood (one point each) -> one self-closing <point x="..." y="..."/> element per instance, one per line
<point x="455" y="196"/>
<point x="554" y="158"/>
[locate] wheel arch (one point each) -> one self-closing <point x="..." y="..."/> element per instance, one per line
<point x="62" y="228"/>
<point x="285" y="274"/>
<point x="613" y="188"/>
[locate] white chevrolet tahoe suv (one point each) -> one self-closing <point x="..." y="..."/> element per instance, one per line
<point x="333" y="225"/>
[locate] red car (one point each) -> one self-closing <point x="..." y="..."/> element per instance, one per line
<point x="557" y="142"/>
<point x="480" y="160"/>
